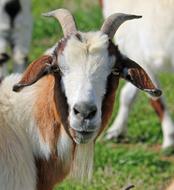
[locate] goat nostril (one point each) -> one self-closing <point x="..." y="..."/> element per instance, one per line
<point x="76" y="111"/>
<point x="91" y="114"/>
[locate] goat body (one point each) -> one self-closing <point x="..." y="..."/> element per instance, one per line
<point x="31" y="127"/>
<point x="48" y="129"/>
<point x="149" y="42"/>
<point x="153" y="35"/>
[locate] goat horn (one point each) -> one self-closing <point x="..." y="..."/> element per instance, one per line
<point x="66" y="20"/>
<point x="112" y="23"/>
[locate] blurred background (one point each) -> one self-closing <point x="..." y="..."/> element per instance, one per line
<point x="138" y="158"/>
<point x="46" y="31"/>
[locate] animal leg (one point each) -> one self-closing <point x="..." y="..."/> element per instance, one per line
<point x="166" y="122"/>
<point x="119" y="125"/>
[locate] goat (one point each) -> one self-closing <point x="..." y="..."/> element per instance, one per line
<point x="59" y="106"/>
<point x="15" y="30"/>
<point x="150" y="43"/>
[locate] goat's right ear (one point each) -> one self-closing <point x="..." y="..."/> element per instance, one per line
<point x="36" y="70"/>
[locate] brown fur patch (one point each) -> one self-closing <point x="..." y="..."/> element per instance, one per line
<point x="46" y="114"/>
<point x="112" y="84"/>
<point x="51" y="116"/>
<point x="50" y="172"/>
<point x="35" y="68"/>
<point x="101" y="3"/>
<point x="139" y="77"/>
<point x="50" y="113"/>
<point x="108" y="102"/>
<point x="159" y="107"/>
<point x="34" y="72"/>
<point x="130" y="70"/>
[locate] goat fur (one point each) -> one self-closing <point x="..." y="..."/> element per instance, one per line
<point x="149" y="41"/>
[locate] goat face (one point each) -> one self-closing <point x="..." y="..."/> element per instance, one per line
<point x="88" y="67"/>
<point x="85" y="65"/>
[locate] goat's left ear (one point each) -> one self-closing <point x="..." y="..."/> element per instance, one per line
<point x="36" y="70"/>
<point x="132" y="72"/>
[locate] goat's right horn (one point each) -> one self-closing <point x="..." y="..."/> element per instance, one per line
<point x="112" y="23"/>
<point x="66" y="20"/>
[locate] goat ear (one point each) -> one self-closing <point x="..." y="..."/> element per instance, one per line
<point x="135" y="74"/>
<point x="36" y="70"/>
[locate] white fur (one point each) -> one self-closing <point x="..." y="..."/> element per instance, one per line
<point x="19" y="112"/>
<point x="16" y="159"/>
<point x="65" y="148"/>
<point x="85" y="66"/>
<point x="149" y="41"/>
<point x="152" y="35"/>
<point x="82" y="166"/>
<point x="168" y="130"/>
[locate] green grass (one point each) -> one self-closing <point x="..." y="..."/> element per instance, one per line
<point x="138" y="162"/>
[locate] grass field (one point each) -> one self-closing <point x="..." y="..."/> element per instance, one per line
<point x="139" y="161"/>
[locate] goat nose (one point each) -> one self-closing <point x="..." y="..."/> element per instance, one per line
<point x="85" y="110"/>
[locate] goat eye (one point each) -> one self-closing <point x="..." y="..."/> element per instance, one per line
<point x="115" y="71"/>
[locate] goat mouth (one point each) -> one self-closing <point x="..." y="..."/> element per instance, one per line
<point x="85" y="133"/>
<point x="82" y="137"/>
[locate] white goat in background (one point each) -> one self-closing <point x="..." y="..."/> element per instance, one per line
<point x="150" y="43"/>
<point x="16" y="31"/>
<point x="64" y="100"/>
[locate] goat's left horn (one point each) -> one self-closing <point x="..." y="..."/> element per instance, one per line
<point x="66" y="20"/>
<point x="113" y="22"/>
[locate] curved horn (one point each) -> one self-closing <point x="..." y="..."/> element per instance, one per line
<point x="66" y="20"/>
<point x="112" y="23"/>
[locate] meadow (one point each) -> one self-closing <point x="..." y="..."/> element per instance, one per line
<point x="138" y="160"/>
